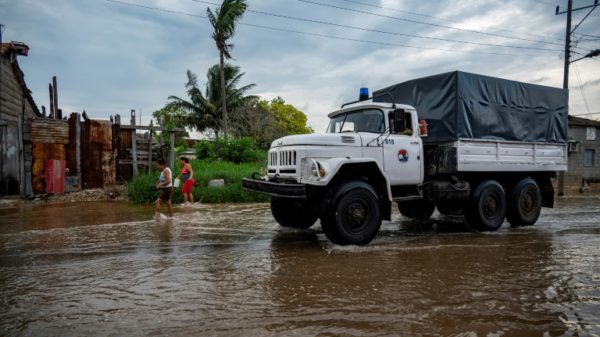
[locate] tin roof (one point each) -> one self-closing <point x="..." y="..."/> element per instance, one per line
<point x="578" y="121"/>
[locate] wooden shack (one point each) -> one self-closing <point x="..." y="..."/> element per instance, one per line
<point x="16" y="108"/>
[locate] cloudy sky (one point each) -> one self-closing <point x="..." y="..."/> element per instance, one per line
<point x="111" y="56"/>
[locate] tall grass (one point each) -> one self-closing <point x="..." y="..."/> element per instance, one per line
<point x="140" y="189"/>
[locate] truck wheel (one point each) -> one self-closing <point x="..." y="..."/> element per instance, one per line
<point x="416" y="209"/>
<point x="352" y="216"/>
<point x="486" y="208"/>
<point x="447" y="207"/>
<point x="525" y="204"/>
<point x="294" y="213"/>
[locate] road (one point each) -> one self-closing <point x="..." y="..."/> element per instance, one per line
<point x="109" y="269"/>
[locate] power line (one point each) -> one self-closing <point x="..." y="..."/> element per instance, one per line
<point x="381" y="43"/>
<point x="389" y="44"/>
<point x="425" y="23"/>
<point x="588" y="35"/>
<point x="386" y="32"/>
<point x="157" y="9"/>
<point x="440" y="18"/>
<point x="581" y="89"/>
<point x="554" y="5"/>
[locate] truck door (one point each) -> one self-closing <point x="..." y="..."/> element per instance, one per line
<point x="402" y="155"/>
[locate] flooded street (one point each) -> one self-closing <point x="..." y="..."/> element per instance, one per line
<point x="109" y="269"/>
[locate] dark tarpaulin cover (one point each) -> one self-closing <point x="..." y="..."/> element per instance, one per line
<point x="463" y="105"/>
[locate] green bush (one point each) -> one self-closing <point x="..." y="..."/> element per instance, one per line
<point x="235" y="150"/>
<point x="140" y="189"/>
<point x="204" y="150"/>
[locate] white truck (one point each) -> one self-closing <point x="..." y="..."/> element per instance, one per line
<point x="470" y="145"/>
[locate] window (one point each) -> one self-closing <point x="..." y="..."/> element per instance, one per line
<point x="590" y="133"/>
<point x="588" y="157"/>
<point x="368" y="120"/>
<point x="408" y="124"/>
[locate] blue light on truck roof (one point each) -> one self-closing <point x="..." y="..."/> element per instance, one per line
<point x="363" y="94"/>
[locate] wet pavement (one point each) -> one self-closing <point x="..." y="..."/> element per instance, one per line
<point x="109" y="269"/>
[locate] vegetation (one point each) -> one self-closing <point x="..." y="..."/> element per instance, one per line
<point x="255" y="123"/>
<point x="289" y="119"/>
<point x="261" y="120"/>
<point x="264" y="121"/>
<point x="235" y="150"/>
<point x="201" y="111"/>
<point x="141" y="189"/>
<point x="171" y="117"/>
<point x="223" y="23"/>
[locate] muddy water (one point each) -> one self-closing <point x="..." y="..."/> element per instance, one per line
<point x="108" y="269"/>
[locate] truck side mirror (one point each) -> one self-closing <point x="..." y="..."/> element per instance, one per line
<point x="398" y="121"/>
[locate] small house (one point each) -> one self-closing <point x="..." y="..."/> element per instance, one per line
<point x="584" y="154"/>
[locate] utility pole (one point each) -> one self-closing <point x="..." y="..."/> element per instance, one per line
<point x="1" y="31"/>
<point x="568" y="33"/>
<point x="567" y="44"/>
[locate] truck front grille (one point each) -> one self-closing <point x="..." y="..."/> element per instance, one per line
<point x="282" y="162"/>
<point x="283" y="158"/>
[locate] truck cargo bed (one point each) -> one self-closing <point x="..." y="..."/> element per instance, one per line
<point x="482" y="155"/>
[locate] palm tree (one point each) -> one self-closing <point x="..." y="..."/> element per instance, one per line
<point x="202" y="109"/>
<point x="223" y="23"/>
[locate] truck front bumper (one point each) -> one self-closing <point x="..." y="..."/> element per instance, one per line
<point x="276" y="189"/>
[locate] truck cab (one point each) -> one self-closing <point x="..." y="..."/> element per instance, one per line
<point x="384" y="135"/>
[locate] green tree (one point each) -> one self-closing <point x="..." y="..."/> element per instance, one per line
<point x="202" y="110"/>
<point x="171" y="117"/>
<point x="287" y="117"/>
<point x="255" y="121"/>
<point x="223" y="22"/>
<point x="265" y="121"/>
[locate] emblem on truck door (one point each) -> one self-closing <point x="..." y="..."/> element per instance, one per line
<point x="403" y="156"/>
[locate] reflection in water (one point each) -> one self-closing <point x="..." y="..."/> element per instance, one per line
<point x="110" y="269"/>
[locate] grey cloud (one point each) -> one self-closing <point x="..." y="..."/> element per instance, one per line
<point x="111" y="58"/>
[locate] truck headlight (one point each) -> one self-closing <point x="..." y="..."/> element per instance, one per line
<point x="317" y="169"/>
<point x="314" y="168"/>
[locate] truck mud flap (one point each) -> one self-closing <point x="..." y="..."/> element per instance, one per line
<point x="276" y="189"/>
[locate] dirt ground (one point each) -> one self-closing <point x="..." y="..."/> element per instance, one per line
<point x="119" y="192"/>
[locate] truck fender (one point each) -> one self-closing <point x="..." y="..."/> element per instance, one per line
<point x="346" y="163"/>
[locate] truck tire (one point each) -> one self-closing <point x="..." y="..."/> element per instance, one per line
<point x="525" y="203"/>
<point x="416" y="209"/>
<point x="352" y="215"/>
<point x="294" y="213"/>
<point x="449" y="207"/>
<point x="486" y="207"/>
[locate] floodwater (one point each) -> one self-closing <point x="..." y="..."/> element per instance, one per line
<point x="109" y="269"/>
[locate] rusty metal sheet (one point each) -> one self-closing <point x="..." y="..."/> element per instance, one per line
<point x="101" y="133"/>
<point x="55" y="176"/>
<point x="41" y="153"/>
<point x="97" y="158"/>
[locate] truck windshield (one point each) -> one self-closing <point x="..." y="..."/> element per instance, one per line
<point x="368" y="120"/>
